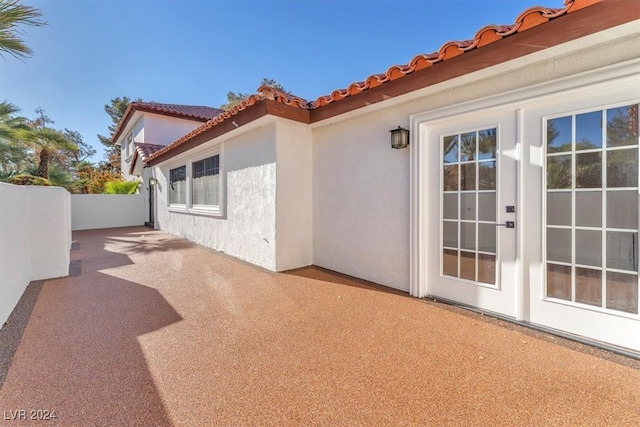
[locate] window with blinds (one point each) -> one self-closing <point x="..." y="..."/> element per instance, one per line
<point x="205" y="182"/>
<point x="178" y="186"/>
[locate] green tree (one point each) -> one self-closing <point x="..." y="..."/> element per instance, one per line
<point x="47" y="142"/>
<point x="12" y="15"/>
<point x="115" y="110"/>
<point x="13" y="153"/>
<point x="235" y="98"/>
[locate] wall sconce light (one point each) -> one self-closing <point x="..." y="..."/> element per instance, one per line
<point x="152" y="181"/>
<point x="399" y="138"/>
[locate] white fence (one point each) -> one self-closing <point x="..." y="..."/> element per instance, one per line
<point x="35" y="239"/>
<point x="91" y="211"/>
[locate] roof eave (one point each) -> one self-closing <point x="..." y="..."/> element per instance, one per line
<point x="565" y="28"/>
<point x="251" y="113"/>
<point x="133" y="108"/>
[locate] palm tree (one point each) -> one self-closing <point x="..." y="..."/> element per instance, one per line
<point x="47" y="142"/>
<point x="13" y="14"/>
<point x="11" y="129"/>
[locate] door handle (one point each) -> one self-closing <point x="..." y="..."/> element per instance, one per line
<point x="508" y="224"/>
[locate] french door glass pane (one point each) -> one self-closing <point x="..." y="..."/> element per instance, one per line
<point x="589" y="286"/>
<point x="487" y="144"/>
<point x="559" y="172"/>
<point x="468" y="265"/>
<point x="450" y="206"/>
<point x="594" y="228"/>
<point x="450" y="234"/>
<point x="622" y="209"/>
<point x="559" y="281"/>
<point x="589" y="170"/>
<point x="487" y="268"/>
<point x="487" y="175"/>
<point x="468" y="176"/>
<point x="589" y="130"/>
<point x="559" y="244"/>
<point x="469" y="205"/>
<point x="588" y="247"/>
<point x="559" y="135"/>
<point x="588" y="209"/>
<point x="622" y="292"/>
<point x="450" y="175"/>
<point x="487" y="206"/>
<point x="622" y="168"/>
<point x="559" y="208"/>
<point x="450" y="262"/>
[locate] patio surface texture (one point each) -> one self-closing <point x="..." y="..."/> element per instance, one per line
<point x="158" y="331"/>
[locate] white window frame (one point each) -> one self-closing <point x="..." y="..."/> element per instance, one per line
<point x="187" y="161"/>
<point x="201" y="206"/>
<point x="128" y="144"/>
<point x="177" y="205"/>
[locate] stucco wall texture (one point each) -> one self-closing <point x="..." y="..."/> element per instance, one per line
<point x="91" y="211"/>
<point x="35" y="238"/>
<point x="361" y="206"/>
<point x="246" y="229"/>
<point x="335" y="194"/>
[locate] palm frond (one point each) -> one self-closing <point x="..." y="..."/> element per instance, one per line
<point x="12" y="15"/>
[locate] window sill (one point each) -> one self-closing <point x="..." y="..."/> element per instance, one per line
<point x="201" y="211"/>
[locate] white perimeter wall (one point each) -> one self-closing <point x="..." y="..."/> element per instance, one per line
<point x="361" y="209"/>
<point x="91" y="211"/>
<point x="247" y="230"/>
<point x="35" y="239"/>
<point x="294" y="195"/>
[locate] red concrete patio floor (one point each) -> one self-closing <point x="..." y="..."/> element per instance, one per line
<point x="158" y="331"/>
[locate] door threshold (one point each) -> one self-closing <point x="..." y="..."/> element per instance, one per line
<point x="544" y="329"/>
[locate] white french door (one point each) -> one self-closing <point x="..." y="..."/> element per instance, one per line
<point x="588" y="182"/>
<point x="472" y="216"/>
<point x="564" y="168"/>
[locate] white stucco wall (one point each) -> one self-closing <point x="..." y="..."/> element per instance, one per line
<point x="137" y="131"/>
<point x="35" y="238"/>
<point x="294" y="237"/>
<point x="164" y="130"/>
<point x="361" y="185"/>
<point x="91" y="211"/>
<point x="361" y="199"/>
<point x="246" y="229"/>
<point x="154" y="129"/>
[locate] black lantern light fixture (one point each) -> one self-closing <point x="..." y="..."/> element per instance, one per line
<point x="399" y="138"/>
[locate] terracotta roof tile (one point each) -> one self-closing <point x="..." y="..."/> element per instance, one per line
<point x="198" y="113"/>
<point x="530" y="18"/>
<point x="145" y="149"/>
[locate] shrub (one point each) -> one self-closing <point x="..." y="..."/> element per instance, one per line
<point x="26" y="179"/>
<point x="121" y="187"/>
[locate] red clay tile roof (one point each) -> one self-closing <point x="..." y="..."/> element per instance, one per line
<point x="528" y="19"/>
<point x="198" y="113"/>
<point x="145" y="149"/>
<point x="142" y="150"/>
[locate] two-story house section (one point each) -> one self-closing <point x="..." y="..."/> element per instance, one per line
<point x="147" y="127"/>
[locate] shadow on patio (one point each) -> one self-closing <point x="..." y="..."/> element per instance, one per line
<point x="158" y="331"/>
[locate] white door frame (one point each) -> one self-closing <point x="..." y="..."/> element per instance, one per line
<point x="620" y="82"/>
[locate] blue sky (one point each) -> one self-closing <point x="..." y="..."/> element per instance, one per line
<point x="195" y="51"/>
